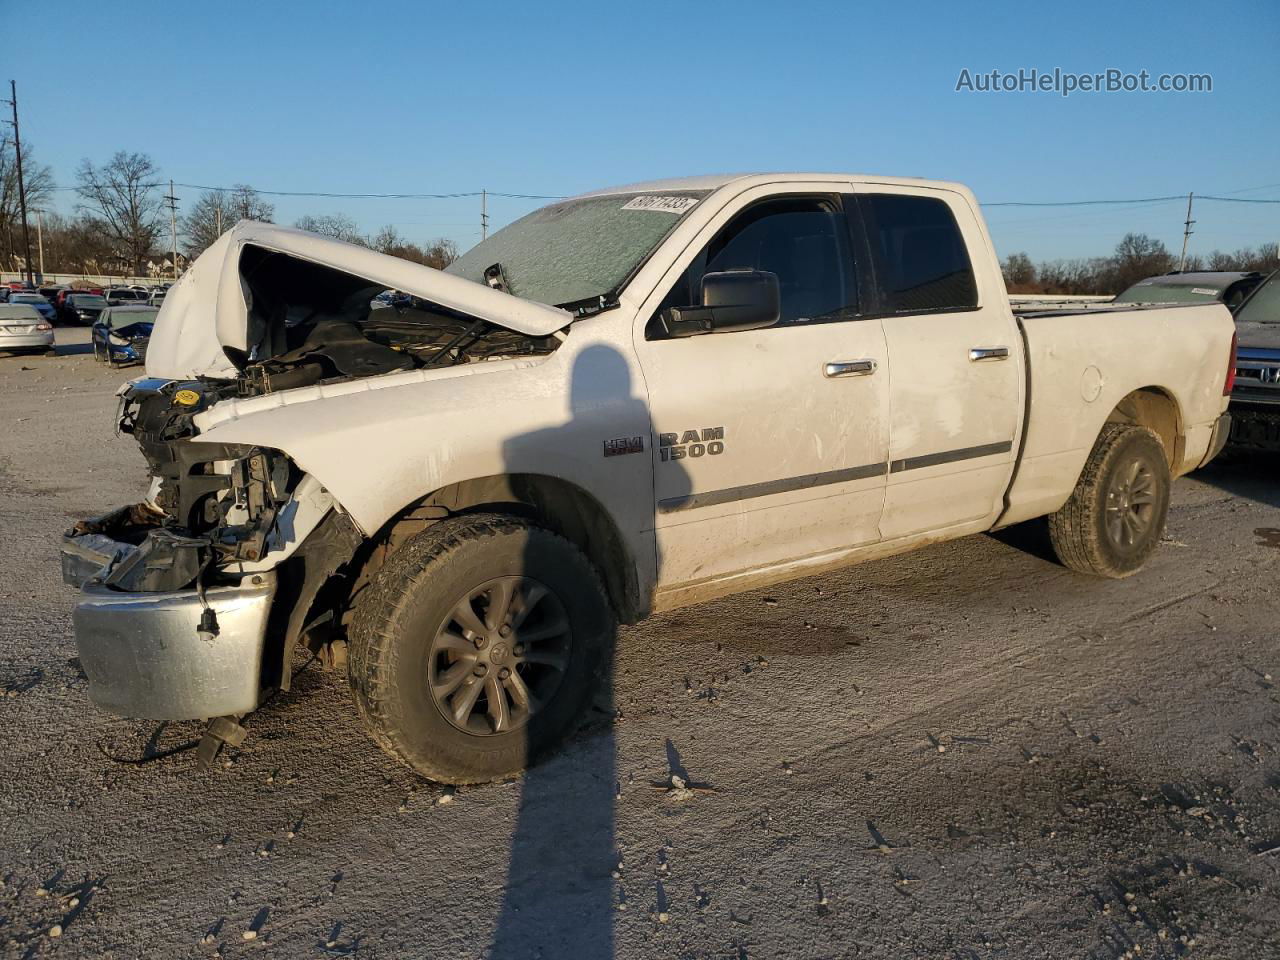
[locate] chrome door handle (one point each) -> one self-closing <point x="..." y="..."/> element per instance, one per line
<point x="850" y="368"/>
<point x="978" y="354"/>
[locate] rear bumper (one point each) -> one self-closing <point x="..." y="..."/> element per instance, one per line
<point x="1218" y="439"/>
<point x="26" y="341"/>
<point x="1255" y="426"/>
<point x="144" y="657"/>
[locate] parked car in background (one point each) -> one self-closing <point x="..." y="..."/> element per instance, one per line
<point x="60" y="303"/>
<point x="82" y="308"/>
<point x="43" y="306"/>
<point x="120" y="333"/>
<point x="1224" y="286"/>
<point x="156" y="298"/>
<point x="50" y="292"/>
<point x="1255" y="396"/>
<point x="125" y="295"/>
<point x="23" y="330"/>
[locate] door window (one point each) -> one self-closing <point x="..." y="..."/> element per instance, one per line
<point x="923" y="265"/>
<point x="803" y="241"/>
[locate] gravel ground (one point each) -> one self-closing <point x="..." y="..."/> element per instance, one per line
<point x="964" y="752"/>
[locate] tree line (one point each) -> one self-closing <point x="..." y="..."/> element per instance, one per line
<point x="120" y="224"/>
<point x="1136" y="257"/>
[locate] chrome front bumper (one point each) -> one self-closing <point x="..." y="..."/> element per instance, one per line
<point x="144" y="657"/>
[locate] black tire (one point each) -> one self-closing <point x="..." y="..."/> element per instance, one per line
<point x="1116" y="515"/>
<point x="406" y="626"/>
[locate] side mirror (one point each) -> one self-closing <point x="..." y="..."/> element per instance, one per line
<point x="732" y="300"/>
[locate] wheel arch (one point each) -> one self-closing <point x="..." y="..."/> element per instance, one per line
<point x="1157" y="409"/>
<point x="560" y="505"/>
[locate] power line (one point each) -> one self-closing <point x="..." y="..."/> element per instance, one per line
<point x="463" y="194"/>
<point x="1077" y="203"/>
<point x="379" y="196"/>
<point x="1238" y="199"/>
<point x="353" y="196"/>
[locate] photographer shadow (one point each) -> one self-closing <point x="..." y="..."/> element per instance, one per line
<point x="559" y="898"/>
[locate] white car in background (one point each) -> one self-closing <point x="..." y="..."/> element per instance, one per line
<point x="23" y="330"/>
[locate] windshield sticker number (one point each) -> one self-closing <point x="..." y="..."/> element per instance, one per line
<point x="676" y="205"/>
<point x="1204" y="291"/>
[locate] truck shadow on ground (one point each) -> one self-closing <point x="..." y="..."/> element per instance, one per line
<point x="1249" y="474"/>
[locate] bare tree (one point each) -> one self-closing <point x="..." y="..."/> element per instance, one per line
<point x="1019" y="273"/>
<point x="218" y="210"/>
<point x="122" y="201"/>
<point x="1137" y="257"/>
<point x="38" y="180"/>
<point x="439" y="253"/>
<point x="336" y="225"/>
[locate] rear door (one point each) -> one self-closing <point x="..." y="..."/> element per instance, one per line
<point x="955" y="358"/>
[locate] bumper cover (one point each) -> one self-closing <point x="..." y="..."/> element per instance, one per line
<point x="144" y="657"/>
<point x="1255" y="426"/>
<point x="25" y="341"/>
<point x="1218" y="439"/>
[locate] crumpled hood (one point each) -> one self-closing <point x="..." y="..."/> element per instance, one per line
<point x="1258" y="336"/>
<point x="134" y="330"/>
<point x="206" y="309"/>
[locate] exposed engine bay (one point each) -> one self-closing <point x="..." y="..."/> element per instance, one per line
<point x="311" y="323"/>
<point x="213" y="507"/>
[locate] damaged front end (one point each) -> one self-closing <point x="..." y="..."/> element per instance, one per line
<point x="178" y="591"/>
<point x="193" y="601"/>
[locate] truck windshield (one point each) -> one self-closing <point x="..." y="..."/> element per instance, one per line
<point x="1264" y="305"/>
<point x="577" y="250"/>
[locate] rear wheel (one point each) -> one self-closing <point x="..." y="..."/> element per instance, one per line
<point x="477" y="647"/>
<point x="1116" y="515"/>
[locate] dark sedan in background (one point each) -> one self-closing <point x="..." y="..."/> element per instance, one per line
<point x="121" y="333"/>
<point x="82" y="308"/>
<point x="1225" y="286"/>
<point x="1255" y="397"/>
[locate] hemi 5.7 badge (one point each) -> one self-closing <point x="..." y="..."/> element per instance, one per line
<point x="623" y="445"/>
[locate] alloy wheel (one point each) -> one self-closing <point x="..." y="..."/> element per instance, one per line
<point x="500" y="655"/>
<point x="1131" y="502"/>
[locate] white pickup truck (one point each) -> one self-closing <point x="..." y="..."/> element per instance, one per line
<point x="624" y="402"/>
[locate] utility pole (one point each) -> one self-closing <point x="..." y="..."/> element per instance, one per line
<point x="484" y="214"/>
<point x="1186" y="234"/>
<point x="40" y="239"/>
<point x="173" y="226"/>
<point x="22" y="188"/>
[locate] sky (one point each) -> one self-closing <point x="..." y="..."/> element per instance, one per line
<point x="557" y="98"/>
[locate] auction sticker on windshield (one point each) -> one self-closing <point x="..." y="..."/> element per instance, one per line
<point x="661" y="204"/>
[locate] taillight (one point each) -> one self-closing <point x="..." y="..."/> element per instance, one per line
<point x="1231" y="368"/>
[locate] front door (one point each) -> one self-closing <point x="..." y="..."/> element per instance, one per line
<point x="769" y="445"/>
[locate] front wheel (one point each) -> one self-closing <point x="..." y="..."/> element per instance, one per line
<point x="477" y="647"/>
<point x="1116" y="515"/>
